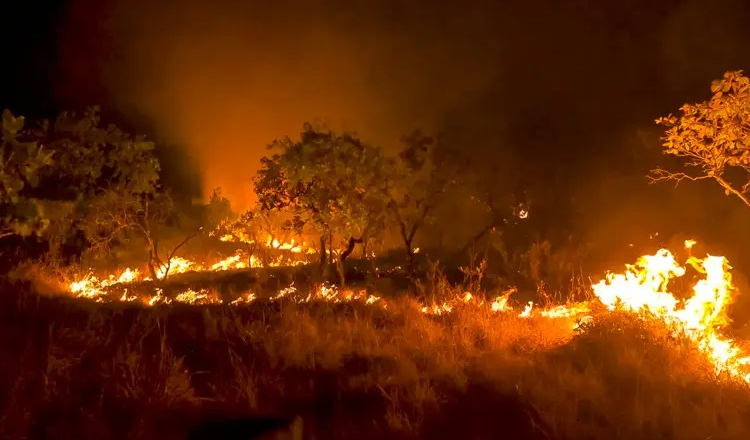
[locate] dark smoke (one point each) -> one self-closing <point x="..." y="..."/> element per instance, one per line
<point x="564" y="91"/>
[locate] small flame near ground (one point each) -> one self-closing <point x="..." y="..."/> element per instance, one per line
<point x="642" y="289"/>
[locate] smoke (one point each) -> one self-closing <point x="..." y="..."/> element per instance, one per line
<point x="556" y="92"/>
<point x="225" y="78"/>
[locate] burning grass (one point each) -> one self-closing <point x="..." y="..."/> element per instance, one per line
<point x="355" y="371"/>
<point x="637" y="361"/>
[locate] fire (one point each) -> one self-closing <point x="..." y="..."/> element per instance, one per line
<point x="191" y="296"/>
<point x="642" y="288"/>
<point x="175" y="265"/>
<point x="232" y="262"/>
<point x="289" y="246"/>
<point x="93" y="288"/>
<point x="232" y="231"/>
<point x="239" y="236"/>
<point x="97" y="289"/>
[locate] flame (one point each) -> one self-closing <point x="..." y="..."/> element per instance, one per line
<point x="97" y="289"/>
<point x="93" y="288"/>
<point x="291" y="246"/>
<point x="642" y="288"/>
<point x="202" y="296"/>
<point x="232" y="262"/>
<point x="175" y="265"/>
<point x="232" y="232"/>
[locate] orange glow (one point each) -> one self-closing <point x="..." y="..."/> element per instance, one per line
<point x="643" y="289"/>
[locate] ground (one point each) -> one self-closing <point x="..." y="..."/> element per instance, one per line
<point x="80" y="370"/>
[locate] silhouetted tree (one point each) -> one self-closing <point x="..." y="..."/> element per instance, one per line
<point x="413" y="186"/>
<point x="332" y="184"/>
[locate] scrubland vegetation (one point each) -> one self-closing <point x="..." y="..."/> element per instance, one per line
<point x="76" y="370"/>
<point x="333" y="211"/>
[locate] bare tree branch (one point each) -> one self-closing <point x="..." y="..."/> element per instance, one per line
<point x="658" y="175"/>
<point x="730" y="189"/>
<point x="172" y="254"/>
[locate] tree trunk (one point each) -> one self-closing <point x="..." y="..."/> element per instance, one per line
<point x="344" y="255"/>
<point x="250" y="252"/>
<point x="409" y="255"/>
<point x="408" y="234"/>
<point x="154" y="262"/>
<point x="479" y="236"/>
<point x="323" y="254"/>
<point x="330" y="249"/>
<point x="350" y="248"/>
<point x="340" y="273"/>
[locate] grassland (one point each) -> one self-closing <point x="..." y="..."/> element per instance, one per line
<point x="79" y="370"/>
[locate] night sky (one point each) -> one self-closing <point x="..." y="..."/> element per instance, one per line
<point x="563" y="94"/>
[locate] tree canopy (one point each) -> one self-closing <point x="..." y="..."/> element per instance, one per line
<point x="330" y="182"/>
<point x="66" y="172"/>
<point x="414" y="185"/>
<point x="22" y="163"/>
<point x="713" y="138"/>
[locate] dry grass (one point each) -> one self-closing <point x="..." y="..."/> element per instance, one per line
<point x="78" y="370"/>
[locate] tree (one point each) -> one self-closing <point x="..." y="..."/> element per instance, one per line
<point x="713" y="137"/>
<point x="218" y="211"/>
<point x="227" y="226"/>
<point x="261" y="232"/>
<point x="331" y="183"/>
<point x="120" y="218"/>
<point x="83" y="165"/>
<point x="490" y="178"/>
<point x="92" y="158"/>
<point x="413" y="186"/>
<point x="21" y="162"/>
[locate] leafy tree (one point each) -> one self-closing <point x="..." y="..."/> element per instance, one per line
<point x="92" y="159"/>
<point x="218" y="211"/>
<point x="413" y="186"/>
<point x="21" y="163"/>
<point x="83" y="167"/>
<point x="259" y="231"/>
<point x="713" y="138"/>
<point x="331" y="183"/>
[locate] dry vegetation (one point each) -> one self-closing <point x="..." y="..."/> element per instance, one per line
<point x="74" y="369"/>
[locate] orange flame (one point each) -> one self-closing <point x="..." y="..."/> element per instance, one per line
<point x="643" y="288"/>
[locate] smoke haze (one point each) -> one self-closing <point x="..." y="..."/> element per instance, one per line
<point x="565" y="92"/>
<point x="225" y="78"/>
